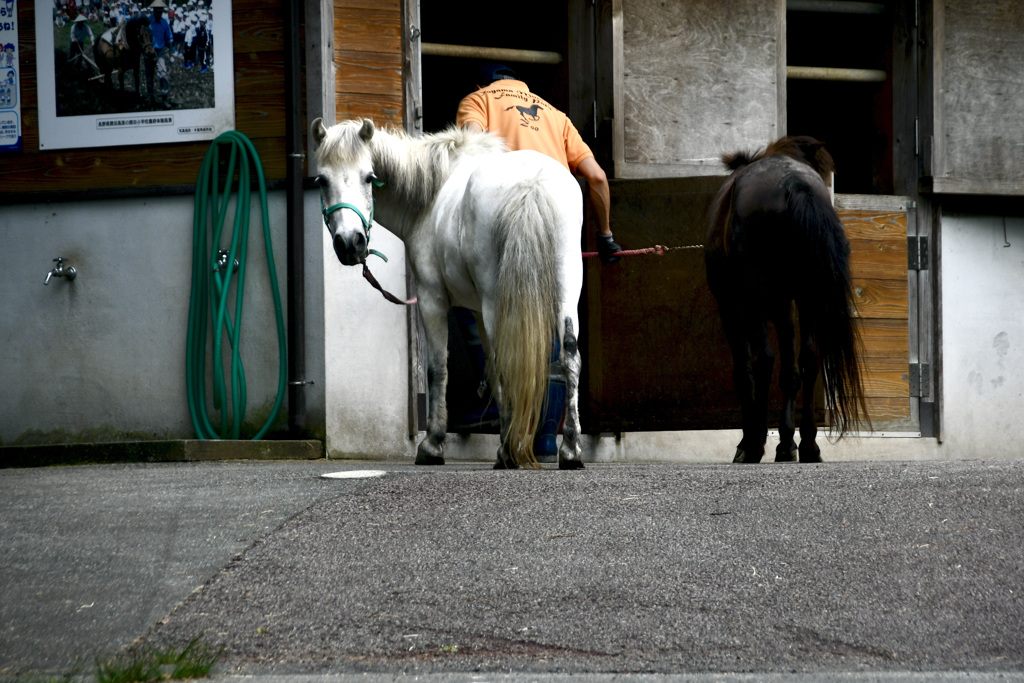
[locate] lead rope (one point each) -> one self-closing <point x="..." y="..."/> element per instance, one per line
<point x="657" y="250"/>
<point x="367" y="224"/>
<point x="368" y="276"/>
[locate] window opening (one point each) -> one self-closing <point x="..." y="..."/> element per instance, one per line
<point x="839" y="87"/>
<point x="449" y="73"/>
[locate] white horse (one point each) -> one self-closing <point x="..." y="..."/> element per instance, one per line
<point x="493" y="231"/>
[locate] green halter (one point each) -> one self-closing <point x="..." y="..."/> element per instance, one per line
<point x="367" y="222"/>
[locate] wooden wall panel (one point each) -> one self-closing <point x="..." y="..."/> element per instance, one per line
<point x="881" y="298"/>
<point x="368" y="30"/>
<point x="655" y="354"/>
<point x="258" y="41"/>
<point x="368" y="53"/>
<point x="259" y="30"/>
<point x="878" y="261"/>
<point x="382" y="109"/>
<point x="368" y="73"/>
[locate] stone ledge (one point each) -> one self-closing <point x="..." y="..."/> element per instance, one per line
<point x="184" y="450"/>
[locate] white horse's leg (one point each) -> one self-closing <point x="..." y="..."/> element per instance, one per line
<point x="487" y="322"/>
<point x="569" y="451"/>
<point x="435" y="326"/>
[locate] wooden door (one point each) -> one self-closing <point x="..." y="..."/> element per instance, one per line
<point x="655" y="354"/>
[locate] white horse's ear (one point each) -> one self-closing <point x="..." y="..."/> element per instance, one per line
<point x="317" y="130"/>
<point x="366" y="132"/>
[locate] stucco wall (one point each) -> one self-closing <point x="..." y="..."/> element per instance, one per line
<point x="982" y="336"/>
<point x="103" y="357"/>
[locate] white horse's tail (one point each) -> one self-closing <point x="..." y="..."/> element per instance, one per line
<point x="527" y="296"/>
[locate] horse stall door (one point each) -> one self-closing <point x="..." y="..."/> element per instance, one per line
<point x="656" y="357"/>
<point x="876" y="226"/>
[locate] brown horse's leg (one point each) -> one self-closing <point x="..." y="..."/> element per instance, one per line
<point x="751" y="357"/>
<point x="809" y="451"/>
<point x="789" y="381"/>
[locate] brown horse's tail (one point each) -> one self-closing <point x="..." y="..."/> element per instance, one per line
<point x="525" y="315"/>
<point x="827" y="302"/>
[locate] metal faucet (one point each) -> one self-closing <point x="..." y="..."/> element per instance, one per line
<point x="60" y="271"/>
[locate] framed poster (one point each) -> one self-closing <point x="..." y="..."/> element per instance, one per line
<point x="133" y="72"/>
<point x="10" y="78"/>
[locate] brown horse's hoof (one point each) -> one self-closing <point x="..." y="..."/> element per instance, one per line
<point x="744" y="457"/>
<point x="747" y="458"/>
<point x="811" y="453"/>
<point x="570" y="464"/>
<point x="786" y="454"/>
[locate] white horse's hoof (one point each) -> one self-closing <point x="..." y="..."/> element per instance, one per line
<point x="570" y="464"/>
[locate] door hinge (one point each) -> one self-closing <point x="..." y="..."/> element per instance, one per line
<point x="920" y="380"/>
<point x="917" y="252"/>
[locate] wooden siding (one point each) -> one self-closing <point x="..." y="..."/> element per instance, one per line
<point x="878" y="260"/>
<point x="258" y="37"/>
<point x="655" y="356"/>
<point x="368" y="60"/>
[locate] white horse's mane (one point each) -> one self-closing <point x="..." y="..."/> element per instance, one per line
<point x="418" y="165"/>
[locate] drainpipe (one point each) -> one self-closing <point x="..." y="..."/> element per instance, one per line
<point x="296" y="222"/>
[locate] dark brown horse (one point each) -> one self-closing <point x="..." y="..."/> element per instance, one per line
<point x="776" y="251"/>
<point x="111" y="55"/>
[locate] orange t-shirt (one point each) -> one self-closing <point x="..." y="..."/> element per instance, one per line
<point x="508" y="108"/>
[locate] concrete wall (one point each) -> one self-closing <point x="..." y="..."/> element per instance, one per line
<point x="367" y="355"/>
<point x="982" y="335"/>
<point x="103" y="357"/>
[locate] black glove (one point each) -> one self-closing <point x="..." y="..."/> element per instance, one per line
<point x="607" y="249"/>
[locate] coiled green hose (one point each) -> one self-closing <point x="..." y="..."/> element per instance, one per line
<point x="212" y="284"/>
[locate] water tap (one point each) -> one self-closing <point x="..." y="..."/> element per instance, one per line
<point x="60" y="271"/>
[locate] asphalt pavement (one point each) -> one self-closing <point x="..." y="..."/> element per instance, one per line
<point x="619" y="572"/>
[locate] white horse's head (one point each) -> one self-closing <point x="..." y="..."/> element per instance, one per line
<point x="346" y="183"/>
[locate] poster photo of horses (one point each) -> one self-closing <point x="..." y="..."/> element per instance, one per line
<point x="133" y="72"/>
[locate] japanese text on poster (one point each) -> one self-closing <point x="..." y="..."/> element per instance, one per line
<point x="10" y="79"/>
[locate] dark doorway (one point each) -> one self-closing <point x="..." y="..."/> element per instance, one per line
<point x="446" y="80"/>
<point x="853" y="118"/>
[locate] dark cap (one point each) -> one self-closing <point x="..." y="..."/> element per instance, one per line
<point x="489" y="73"/>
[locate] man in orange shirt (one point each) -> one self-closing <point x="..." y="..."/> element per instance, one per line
<point x="504" y="105"/>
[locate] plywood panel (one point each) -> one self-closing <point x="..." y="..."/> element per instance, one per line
<point x="978" y="137"/>
<point x="655" y="356"/>
<point x="699" y="79"/>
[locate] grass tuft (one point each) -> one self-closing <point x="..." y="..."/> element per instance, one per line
<point x="196" y="660"/>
